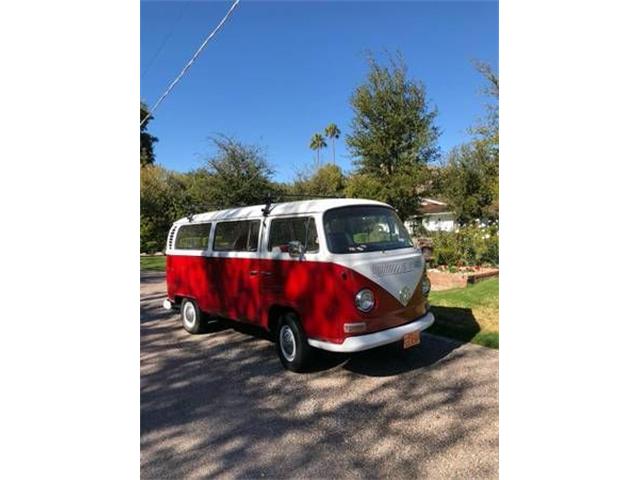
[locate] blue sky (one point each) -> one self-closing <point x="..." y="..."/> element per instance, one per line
<point x="280" y="71"/>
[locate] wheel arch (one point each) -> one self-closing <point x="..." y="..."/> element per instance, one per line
<point x="276" y="311"/>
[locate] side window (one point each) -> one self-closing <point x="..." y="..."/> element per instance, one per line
<point x="193" y="237"/>
<point x="285" y="230"/>
<point x="237" y="236"/>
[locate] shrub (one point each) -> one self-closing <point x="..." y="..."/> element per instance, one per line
<point x="150" y="247"/>
<point x="470" y="245"/>
<point x="445" y="249"/>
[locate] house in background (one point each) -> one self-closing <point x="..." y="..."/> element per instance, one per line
<point x="433" y="216"/>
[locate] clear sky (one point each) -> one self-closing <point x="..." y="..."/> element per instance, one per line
<point x="280" y="71"/>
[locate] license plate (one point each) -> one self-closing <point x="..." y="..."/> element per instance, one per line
<point x="411" y="339"/>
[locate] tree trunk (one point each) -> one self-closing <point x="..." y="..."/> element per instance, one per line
<point x="333" y="146"/>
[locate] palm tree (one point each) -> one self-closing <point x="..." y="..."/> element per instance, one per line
<point x="333" y="132"/>
<point x="317" y="143"/>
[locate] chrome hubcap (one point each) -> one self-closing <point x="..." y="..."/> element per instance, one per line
<point x="287" y="343"/>
<point x="189" y="315"/>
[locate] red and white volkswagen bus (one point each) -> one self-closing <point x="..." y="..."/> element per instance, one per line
<point x="334" y="274"/>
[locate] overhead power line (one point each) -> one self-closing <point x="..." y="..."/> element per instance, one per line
<point x="190" y="62"/>
<point x="166" y="38"/>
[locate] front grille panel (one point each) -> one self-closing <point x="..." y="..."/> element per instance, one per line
<point x="395" y="268"/>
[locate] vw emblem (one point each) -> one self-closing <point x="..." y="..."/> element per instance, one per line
<point x="405" y="294"/>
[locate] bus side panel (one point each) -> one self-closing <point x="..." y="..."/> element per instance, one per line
<point x="317" y="291"/>
<point x="323" y="294"/>
<point x="234" y="284"/>
<point x="223" y="286"/>
<point x="190" y="276"/>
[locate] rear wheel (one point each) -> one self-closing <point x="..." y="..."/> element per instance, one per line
<point x="293" y="349"/>
<point x="192" y="318"/>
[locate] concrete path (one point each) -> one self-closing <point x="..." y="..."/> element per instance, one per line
<point x="220" y="405"/>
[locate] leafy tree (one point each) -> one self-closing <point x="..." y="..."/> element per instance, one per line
<point x="399" y="190"/>
<point x="163" y="199"/>
<point x="327" y="180"/>
<point x="333" y="132"/>
<point x="147" y="140"/>
<point x="393" y="137"/>
<point x="470" y="179"/>
<point x="492" y="89"/>
<point x="235" y="175"/>
<point x="470" y="183"/>
<point x="238" y="175"/>
<point x="317" y="144"/>
<point x="393" y="125"/>
<point x="200" y="189"/>
<point x="488" y="133"/>
<point x="487" y="129"/>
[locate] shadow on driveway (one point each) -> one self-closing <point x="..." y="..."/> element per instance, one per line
<point x="220" y="404"/>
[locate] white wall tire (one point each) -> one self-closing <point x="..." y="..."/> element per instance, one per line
<point x="287" y="343"/>
<point x="191" y="316"/>
<point x="293" y="349"/>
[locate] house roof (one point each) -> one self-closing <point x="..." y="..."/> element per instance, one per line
<point x="429" y="205"/>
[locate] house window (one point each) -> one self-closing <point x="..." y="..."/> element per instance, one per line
<point x="237" y="236"/>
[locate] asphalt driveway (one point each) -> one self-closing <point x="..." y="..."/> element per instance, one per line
<point x="219" y="404"/>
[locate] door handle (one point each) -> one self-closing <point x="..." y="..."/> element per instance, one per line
<point x="253" y="273"/>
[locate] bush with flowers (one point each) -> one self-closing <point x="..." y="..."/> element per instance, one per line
<point x="475" y="244"/>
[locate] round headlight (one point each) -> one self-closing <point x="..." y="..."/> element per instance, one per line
<point x="365" y="300"/>
<point x="426" y="286"/>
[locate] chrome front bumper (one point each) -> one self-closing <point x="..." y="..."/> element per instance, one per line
<point x="377" y="339"/>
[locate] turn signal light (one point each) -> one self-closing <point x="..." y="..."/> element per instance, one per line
<point x="355" y="327"/>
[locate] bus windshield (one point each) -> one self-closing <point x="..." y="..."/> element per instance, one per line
<point x="364" y="229"/>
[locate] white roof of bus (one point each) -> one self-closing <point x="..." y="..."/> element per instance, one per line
<point x="288" y="208"/>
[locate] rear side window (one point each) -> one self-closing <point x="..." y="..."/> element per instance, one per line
<point x="285" y="230"/>
<point x="237" y="236"/>
<point x="193" y="237"/>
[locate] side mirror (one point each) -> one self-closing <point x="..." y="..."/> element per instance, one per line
<point x="296" y="250"/>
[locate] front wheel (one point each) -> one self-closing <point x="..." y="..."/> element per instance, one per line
<point x="293" y="349"/>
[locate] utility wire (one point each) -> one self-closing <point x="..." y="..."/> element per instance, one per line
<point x="166" y="39"/>
<point x="190" y="62"/>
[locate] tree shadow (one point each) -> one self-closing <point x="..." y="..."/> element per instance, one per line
<point x="393" y="359"/>
<point x="453" y="327"/>
<point x="148" y="277"/>
<point x="221" y="405"/>
<point x="218" y="324"/>
<point x="387" y="360"/>
<point x="454" y="322"/>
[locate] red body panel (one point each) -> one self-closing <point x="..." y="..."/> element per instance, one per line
<point x="321" y="293"/>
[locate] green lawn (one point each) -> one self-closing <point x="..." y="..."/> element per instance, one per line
<point x="468" y="314"/>
<point x="153" y="263"/>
